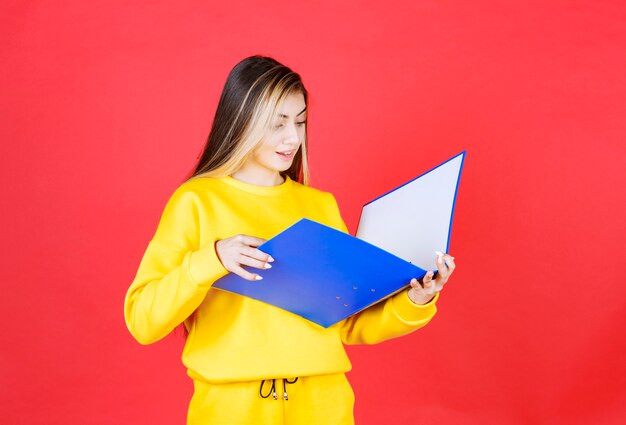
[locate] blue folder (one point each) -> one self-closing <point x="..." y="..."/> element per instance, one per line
<point x="325" y="275"/>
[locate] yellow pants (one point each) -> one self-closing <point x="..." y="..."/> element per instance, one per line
<point x="311" y="400"/>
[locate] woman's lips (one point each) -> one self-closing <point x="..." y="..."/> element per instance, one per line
<point x="286" y="155"/>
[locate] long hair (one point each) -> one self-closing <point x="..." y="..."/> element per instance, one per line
<point x="254" y="90"/>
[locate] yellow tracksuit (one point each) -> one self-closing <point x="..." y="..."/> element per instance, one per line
<point x="235" y="342"/>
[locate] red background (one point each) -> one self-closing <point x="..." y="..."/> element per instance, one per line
<point x="105" y="105"/>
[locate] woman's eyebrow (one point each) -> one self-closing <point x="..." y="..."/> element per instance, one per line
<point x="287" y="116"/>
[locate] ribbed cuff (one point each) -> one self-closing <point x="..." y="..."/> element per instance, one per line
<point x="205" y="267"/>
<point x="409" y="311"/>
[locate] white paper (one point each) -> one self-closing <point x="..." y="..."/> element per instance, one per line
<point x="414" y="220"/>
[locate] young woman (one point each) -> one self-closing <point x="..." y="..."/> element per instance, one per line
<point x="252" y="363"/>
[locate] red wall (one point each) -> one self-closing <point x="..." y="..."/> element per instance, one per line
<point x="105" y="106"/>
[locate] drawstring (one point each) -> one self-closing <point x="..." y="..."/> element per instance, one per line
<point x="272" y="391"/>
<point x="285" y="396"/>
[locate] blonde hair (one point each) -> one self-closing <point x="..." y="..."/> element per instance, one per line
<point x="240" y="126"/>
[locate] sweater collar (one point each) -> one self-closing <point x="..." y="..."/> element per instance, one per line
<point x="259" y="190"/>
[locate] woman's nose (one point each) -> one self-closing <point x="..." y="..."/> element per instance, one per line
<point x="292" y="134"/>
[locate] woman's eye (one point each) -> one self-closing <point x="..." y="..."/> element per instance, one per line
<point x="301" y="123"/>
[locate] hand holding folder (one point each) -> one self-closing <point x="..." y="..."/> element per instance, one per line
<point x="430" y="286"/>
<point x="325" y="275"/>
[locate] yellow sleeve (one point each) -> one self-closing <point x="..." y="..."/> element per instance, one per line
<point x="174" y="274"/>
<point x="335" y="213"/>
<point x="390" y="318"/>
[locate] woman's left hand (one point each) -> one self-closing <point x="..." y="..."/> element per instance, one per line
<point x="423" y="293"/>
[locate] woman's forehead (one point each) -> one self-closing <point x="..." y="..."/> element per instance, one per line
<point x="293" y="105"/>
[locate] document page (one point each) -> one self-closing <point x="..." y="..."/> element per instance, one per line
<point x="415" y="219"/>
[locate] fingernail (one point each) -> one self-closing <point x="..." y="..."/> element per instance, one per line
<point x="268" y="266"/>
<point x="270" y="259"/>
<point x="258" y="277"/>
<point x="439" y="253"/>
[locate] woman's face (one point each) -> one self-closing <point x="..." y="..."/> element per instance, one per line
<point x="282" y="140"/>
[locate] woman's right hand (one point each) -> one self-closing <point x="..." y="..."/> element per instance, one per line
<point x="240" y="250"/>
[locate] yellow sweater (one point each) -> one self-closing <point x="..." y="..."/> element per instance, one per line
<point x="232" y="337"/>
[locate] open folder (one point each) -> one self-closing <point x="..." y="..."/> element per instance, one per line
<point x="325" y="275"/>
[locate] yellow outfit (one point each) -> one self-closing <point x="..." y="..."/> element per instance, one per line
<point x="236" y="342"/>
